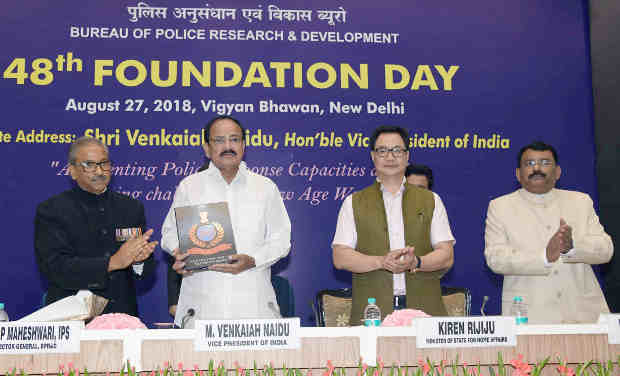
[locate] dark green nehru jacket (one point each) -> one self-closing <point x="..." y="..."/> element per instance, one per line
<point x="423" y="289"/>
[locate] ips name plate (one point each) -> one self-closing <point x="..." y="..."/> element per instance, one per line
<point x="255" y="334"/>
<point x="485" y="331"/>
<point x="40" y="337"/>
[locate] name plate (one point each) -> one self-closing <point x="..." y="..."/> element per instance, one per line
<point x="613" y="332"/>
<point x="264" y="334"/>
<point x="40" y="337"/>
<point x="485" y="331"/>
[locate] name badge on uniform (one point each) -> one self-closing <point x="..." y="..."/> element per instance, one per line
<point x="124" y="234"/>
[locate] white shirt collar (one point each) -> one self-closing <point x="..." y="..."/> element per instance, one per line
<point x="400" y="190"/>
<point x="538" y="198"/>
<point x="241" y="172"/>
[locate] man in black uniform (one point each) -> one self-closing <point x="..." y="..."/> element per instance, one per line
<point x="90" y="238"/>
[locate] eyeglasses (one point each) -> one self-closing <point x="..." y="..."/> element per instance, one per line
<point x="90" y="166"/>
<point x="221" y="140"/>
<point x="540" y="162"/>
<point x="396" y="151"/>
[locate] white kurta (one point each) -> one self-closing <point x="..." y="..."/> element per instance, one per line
<point x="262" y="230"/>
<point x="518" y="228"/>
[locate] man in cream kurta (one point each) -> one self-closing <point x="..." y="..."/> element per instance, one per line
<point x="261" y="227"/>
<point x="543" y="240"/>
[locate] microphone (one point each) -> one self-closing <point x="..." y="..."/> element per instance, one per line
<point x="485" y="299"/>
<point x="190" y="313"/>
<point x="272" y="307"/>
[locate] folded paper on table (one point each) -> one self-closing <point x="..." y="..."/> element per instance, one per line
<point x="82" y="306"/>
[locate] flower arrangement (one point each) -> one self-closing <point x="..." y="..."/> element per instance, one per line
<point x="424" y="368"/>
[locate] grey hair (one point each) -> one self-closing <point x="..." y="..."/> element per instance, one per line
<point x="83" y="141"/>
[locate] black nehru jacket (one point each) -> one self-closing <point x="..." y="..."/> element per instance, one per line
<point x="74" y="238"/>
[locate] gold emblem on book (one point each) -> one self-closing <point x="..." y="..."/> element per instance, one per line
<point x="206" y="234"/>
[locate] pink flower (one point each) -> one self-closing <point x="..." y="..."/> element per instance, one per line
<point x="330" y="369"/>
<point x="402" y="317"/>
<point x="425" y="366"/>
<point x="115" y="321"/>
<point x="363" y="370"/>
<point x="166" y="364"/>
<point x="521" y="368"/>
<point x="564" y="370"/>
<point x="180" y="366"/>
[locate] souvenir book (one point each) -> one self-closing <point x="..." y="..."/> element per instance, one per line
<point x="205" y="232"/>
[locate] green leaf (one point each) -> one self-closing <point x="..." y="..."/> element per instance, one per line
<point x="501" y="367"/>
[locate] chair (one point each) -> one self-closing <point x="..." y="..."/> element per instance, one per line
<point x="457" y="300"/>
<point x="333" y="307"/>
<point x="284" y="295"/>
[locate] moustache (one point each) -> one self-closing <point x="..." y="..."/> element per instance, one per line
<point x="228" y="152"/>
<point x="96" y="179"/>
<point x="537" y="173"/>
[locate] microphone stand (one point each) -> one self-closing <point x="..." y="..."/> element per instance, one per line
<point x="190" y="313"/>
<point x="485" y="299"/>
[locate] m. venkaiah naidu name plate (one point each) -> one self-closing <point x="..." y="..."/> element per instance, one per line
<point x="256" y="334"/>
<point x="40" y="337"/>
<point x="483" y="331"/>
<point x="205" y="232"/>
<point x="613" y="324"/>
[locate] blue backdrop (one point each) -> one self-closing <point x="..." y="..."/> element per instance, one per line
<point x="490" y="76"/>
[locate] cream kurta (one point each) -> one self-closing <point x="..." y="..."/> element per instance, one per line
<point x="262" y="230"/>
<point x="518" y="228"/>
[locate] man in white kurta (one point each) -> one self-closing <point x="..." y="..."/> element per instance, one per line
<point x="543" y="240"/>
<point x="261" y="227"/>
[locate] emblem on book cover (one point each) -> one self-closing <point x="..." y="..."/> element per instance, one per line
<point x="206" y="234"/>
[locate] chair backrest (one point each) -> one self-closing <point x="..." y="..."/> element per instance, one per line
<point x="284" y="295"/>
<point x="333" y="307"/>
<point x="457" y="300"/>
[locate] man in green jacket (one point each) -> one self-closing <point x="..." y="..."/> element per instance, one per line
<point x="393" y="236"/>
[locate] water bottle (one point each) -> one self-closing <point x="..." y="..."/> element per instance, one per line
<point x="519" y="310"/>
<point x="372" y="313"/>
<point x="4" y="317"/>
